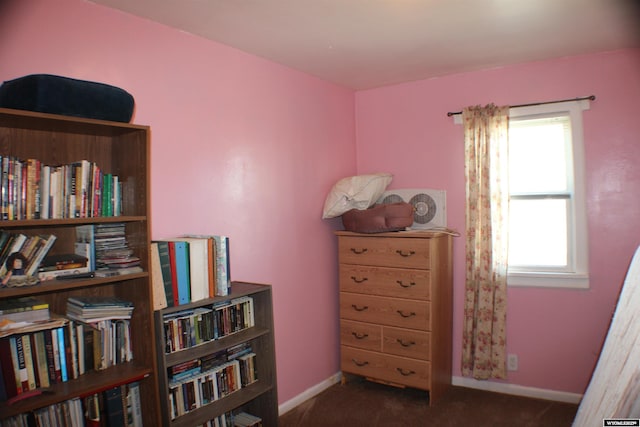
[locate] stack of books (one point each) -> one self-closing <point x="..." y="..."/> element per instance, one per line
<point x="54" y="266"/>
<point x="26" y="309"/>
<point x="113" y="255"/>
<point x="91" y="309"/>
<point x="244" y="419"/>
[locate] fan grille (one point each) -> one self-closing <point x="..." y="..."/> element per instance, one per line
<point x="424" y="208"/>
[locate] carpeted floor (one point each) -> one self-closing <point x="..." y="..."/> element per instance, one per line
<point x="363" y="403"/>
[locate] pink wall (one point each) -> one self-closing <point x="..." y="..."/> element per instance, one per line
<point x="240" y="146"/>
<point x="404" y="130"/>
<point x="245" y="147"/>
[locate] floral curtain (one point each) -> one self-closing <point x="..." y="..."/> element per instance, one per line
<point x="485" y="306"/>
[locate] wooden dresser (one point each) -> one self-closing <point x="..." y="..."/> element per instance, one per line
<point x="396" y="308"/>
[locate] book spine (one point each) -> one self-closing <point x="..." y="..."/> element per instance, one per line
<point x="13" y="386"/>
<point x="62" y="354"/>
<point x="41" y="359"/>
<point x="20" y="363"/>
<point x="29" y="361"/>
<point x="113" y="407"/>
<point x="159" y="296"/>
<point x="182" y="272"/>
<point x="165" y="265"/>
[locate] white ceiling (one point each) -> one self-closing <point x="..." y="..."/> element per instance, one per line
<point x="363" y="44"/>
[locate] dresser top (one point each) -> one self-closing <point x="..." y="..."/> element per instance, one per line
<point x="405" y="233"/>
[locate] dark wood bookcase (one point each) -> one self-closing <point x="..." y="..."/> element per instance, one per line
<point x="121" y="149"/>
<point x="259" y="398"/>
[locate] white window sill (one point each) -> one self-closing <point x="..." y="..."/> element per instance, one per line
<point x="549" y="280"/>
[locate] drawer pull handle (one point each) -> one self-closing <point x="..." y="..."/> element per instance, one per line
<point x="358" y="251"/>
<point x="358" y="363"/>
<point x="407" y="285"/>
<point x="355" y="279"/>
<point x="405" y="373"/>
<point x="359" y="336"/>
<point x="358" y="308"/>
<point x="406" y="343"/>
<point x="403" y="314"/>
<point x="405" y="254"/>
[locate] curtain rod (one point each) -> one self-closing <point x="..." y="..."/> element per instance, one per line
<point x="590" y="97"/>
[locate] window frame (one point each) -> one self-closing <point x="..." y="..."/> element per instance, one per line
<point x="578" y="275"/>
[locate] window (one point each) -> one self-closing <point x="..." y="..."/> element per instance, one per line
<point x="547" y="218"/>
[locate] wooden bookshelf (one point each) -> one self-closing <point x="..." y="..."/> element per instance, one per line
<point x="121" y="149"/>
<point x="259" y="398"/>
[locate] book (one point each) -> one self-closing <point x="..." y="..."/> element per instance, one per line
<point x="198" y="268"/>
<point x="71" y="340"/>
<point x="134" y="407"/>
<point x="62" y="354"/>
<point x="28" y="361"/>
<point x="85" y="244"/>
<point x="210" y="261"/>
<point x="165" y="265"/>
<point x="244" y="419"/>
<point x="157" y="281"/>
<point x="51" y="366"/>
<point x="113" y="407"/>
<point x="223" y="266"/>
<point x="3" y="389"/>
<point x="19" y="362"/>
<point x="40" y="352"/>
<point x="180" y="256"/>
<point x="92" y="411"/>
<point x="13" y="385"/>
<point x="94" y="301"/>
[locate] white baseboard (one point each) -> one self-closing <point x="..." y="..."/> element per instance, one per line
<point x="518" y="390"/>
<point x="513" y="389"/>
<point x="309" y="393"/>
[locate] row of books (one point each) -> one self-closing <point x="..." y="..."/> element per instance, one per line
<point x="192" y="327"/>
<point x="95" y="335"/>
<point x="32" y="249"/>
<point x="41" y="358"/>
<point x="199" y="382"/>
<point x="118" y="406"/>
<point x="189" y="269"/>
<point x="29" y="189"/>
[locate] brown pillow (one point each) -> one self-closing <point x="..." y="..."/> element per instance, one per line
<point x="380" y="218"/>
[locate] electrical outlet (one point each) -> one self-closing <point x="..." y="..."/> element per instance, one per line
<point x="512" y="362"/>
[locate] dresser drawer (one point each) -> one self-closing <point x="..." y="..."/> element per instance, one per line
<point x="393" y="369"/>
<point x="392" y="282"/>
<point x="385" y="311"/>
<point x="361" y="335"/>
<point x="387" y="252"/>
<point x="406" y="342"/>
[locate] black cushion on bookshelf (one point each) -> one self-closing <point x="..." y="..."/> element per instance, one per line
<point x="46" y="93"/>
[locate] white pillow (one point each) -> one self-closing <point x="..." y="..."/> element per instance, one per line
<point x="355" y="192"/>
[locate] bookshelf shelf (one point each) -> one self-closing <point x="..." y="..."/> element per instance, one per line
<point x="259" y="398"/>
<point x="120" y="149"/>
